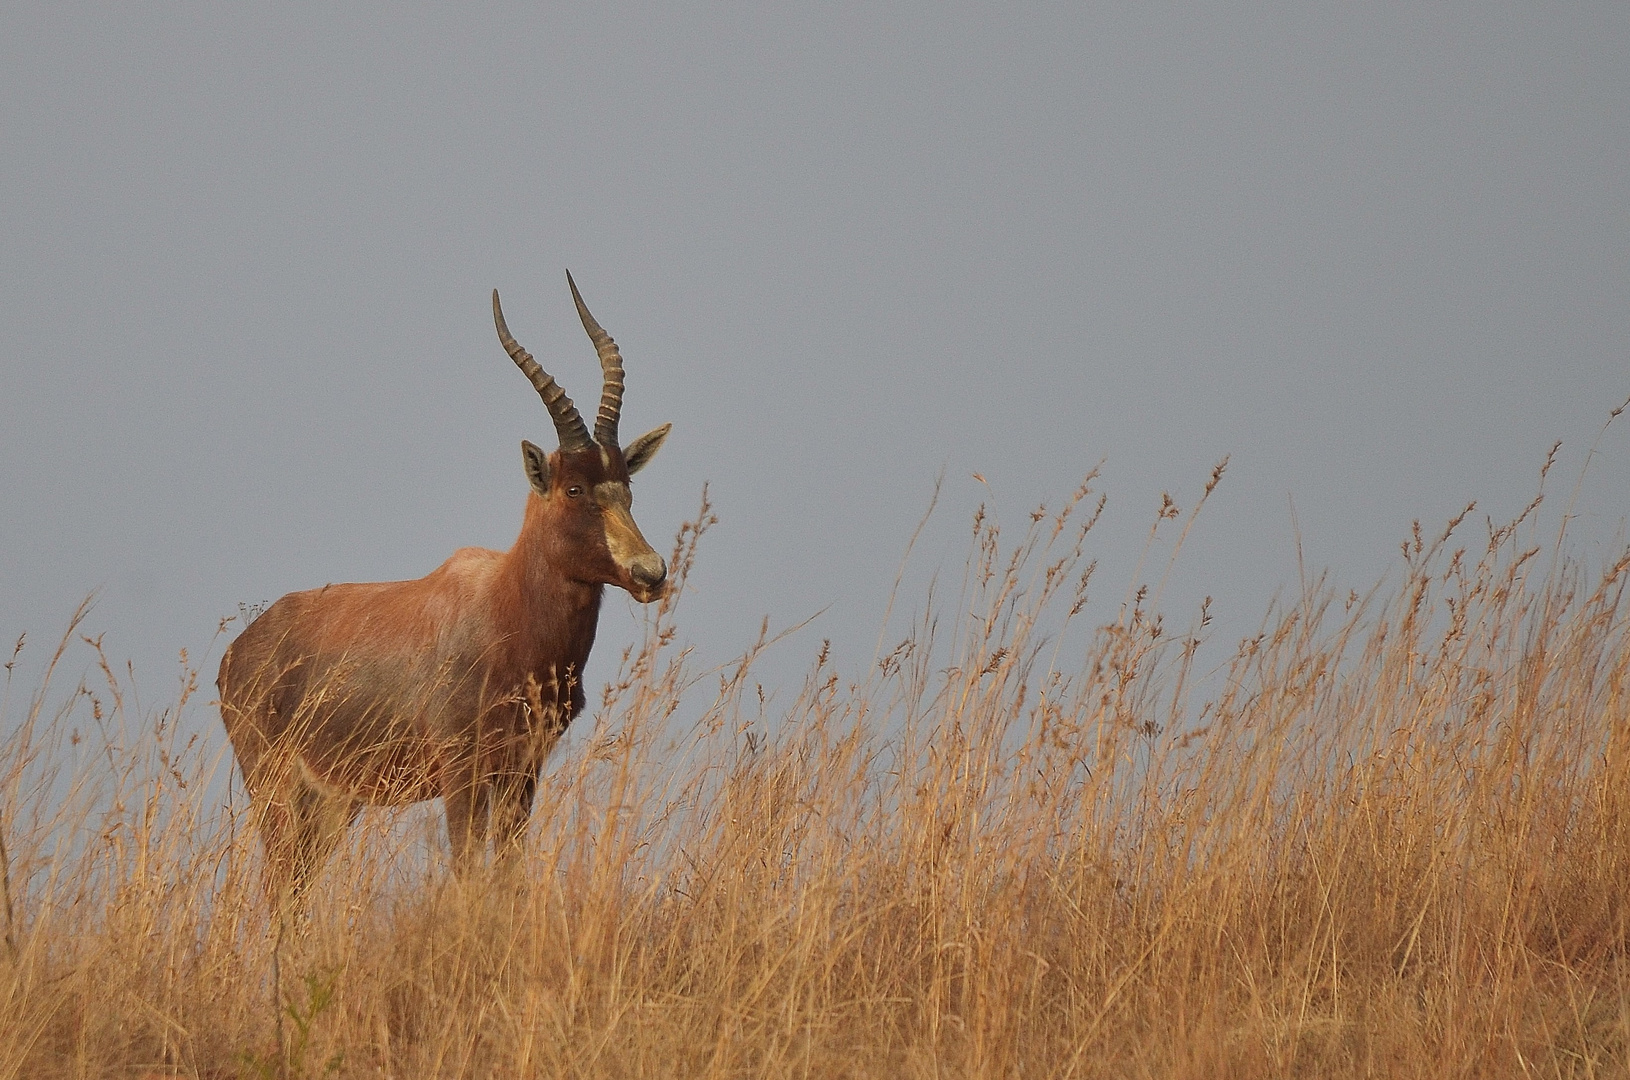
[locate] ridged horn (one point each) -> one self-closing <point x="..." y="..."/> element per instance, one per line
<point x="611" y="363"/>
<point x="568" y="424"/>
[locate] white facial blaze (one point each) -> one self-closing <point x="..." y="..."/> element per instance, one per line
<point x="623" y="537"/>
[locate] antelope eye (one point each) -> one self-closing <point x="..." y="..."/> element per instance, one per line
<point x="573" y="492"/>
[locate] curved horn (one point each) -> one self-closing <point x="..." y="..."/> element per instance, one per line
<point x="568" y="424"/>
<point x="611" y="363"/>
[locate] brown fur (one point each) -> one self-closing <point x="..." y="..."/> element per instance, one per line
<point x="455" y="685"/>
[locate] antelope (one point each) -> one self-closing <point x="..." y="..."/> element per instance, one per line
<point x="458" y="684"/>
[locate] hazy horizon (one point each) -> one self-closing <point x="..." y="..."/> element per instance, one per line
<point x="1376" y="255"/>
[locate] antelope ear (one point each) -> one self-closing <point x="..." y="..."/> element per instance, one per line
<point x="537" y="467"/>
<point x="639" y="452"/>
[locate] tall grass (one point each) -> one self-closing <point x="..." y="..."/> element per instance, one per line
<point x="1387" y="837"/>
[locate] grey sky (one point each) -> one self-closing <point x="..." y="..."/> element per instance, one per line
<point x="1380" y="254"/>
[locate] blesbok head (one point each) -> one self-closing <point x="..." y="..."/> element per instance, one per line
<point x="584" y="483"/>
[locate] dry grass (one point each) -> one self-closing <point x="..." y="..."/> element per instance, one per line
<point x="1387" y="838"/>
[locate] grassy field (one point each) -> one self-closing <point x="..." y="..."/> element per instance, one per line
<point x="1385" y="836"/>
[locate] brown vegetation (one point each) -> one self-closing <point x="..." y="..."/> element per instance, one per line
<point x="1387" y="839"/>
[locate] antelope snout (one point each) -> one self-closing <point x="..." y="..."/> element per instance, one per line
<point x="648" y="571"/>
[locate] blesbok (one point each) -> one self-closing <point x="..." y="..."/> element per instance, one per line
<point x="458" y="684"/>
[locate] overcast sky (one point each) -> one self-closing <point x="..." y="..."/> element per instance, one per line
<point x="1378" y="254"/>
